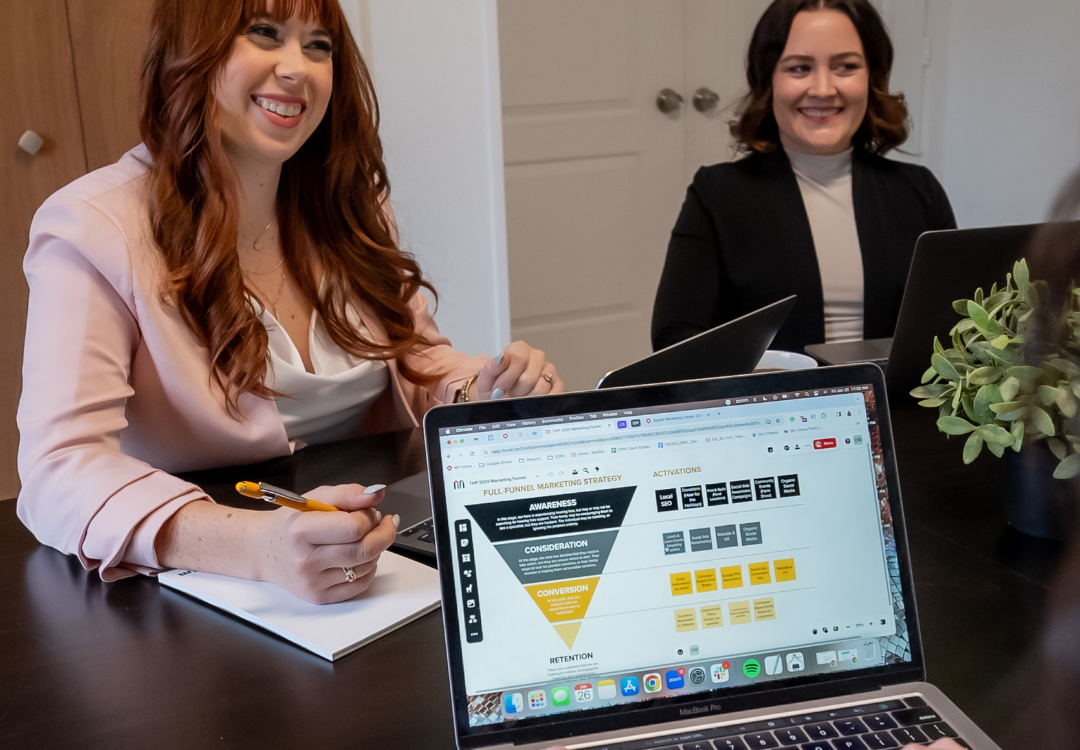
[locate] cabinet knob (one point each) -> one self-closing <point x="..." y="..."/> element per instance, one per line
<point x="31" y="142"/>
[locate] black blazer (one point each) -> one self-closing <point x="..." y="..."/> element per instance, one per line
<point x="743" y="240"/>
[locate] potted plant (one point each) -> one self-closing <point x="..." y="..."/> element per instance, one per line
<point x="998" y="387"/>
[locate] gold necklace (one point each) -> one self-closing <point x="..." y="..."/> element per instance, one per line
<point x="260" y="273"/>
<point x="255" y="242"/>
<point x="277" y="297"/>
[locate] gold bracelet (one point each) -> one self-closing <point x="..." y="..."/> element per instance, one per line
<point x="462" y="394"/>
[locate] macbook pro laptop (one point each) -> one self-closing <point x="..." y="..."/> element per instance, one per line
<point x="716" y="564"/>
<point x="946" y="266"/>
<point x="732" y="348"/>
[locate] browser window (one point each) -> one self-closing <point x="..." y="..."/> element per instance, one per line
<point x="615" y="557"/>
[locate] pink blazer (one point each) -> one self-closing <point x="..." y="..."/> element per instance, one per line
<point x="117" y="394"/>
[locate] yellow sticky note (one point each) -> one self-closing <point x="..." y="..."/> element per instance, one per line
<point x="681" y="583"/>
<point x="759" y="573"/>
<point x="705" y="580"/>
<point x="731" y="578"/>
<point x="739" y="612"/>
<point x="712" y="616"/>
<point x="685" y="619"/>
<point x="785" y="569"/>
<point x="764" y="609"/>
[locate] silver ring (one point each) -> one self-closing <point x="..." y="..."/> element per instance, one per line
<point x="350" y="576"/>
<point x="548" y="377"/>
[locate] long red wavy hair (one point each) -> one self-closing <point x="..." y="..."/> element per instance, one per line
<point x="338" y="243"/>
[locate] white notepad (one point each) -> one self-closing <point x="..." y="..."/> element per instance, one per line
<point x="402" y="591"/>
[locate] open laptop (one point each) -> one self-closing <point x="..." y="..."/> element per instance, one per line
<point x="715" y="564"/>
<point x="946" y="266"/>
<point x="732" y="348"/>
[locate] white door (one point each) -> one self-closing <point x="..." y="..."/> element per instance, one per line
<point x="594" y="173"/>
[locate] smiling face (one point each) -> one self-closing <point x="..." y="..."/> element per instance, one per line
<point x="821" y="84"/>
<point x="274" y="89"/>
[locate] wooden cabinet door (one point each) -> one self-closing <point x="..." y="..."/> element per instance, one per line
<point x="108" y="39"/>
<point x="39" y="86"/>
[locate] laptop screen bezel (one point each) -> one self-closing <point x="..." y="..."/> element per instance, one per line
<point x="647" y="713"/>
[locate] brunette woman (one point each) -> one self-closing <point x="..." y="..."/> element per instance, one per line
<point x="228" y="291"/>
<point x="814" y="209"/>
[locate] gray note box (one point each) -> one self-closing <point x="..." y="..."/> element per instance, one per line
<point x="700" y="540"/>
<point x="750" y="533"/>
<point x="674" y="543"/>
<point x="726" y="536"/>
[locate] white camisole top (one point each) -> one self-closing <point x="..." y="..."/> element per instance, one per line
<point x="331" y="402"/>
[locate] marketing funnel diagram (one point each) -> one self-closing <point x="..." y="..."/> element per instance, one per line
<point x="557" y="546"/>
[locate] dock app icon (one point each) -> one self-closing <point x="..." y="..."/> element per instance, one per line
<point x="605" y="689"/>
<point x="795" y="662"/>
<point x="721" y="672"/>
<point x="537" y="700"/>
<point x="513" y="703"/>
<point x="774" y="664"/>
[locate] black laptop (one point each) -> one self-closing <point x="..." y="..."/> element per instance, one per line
<point x="946" y="266"/>
<point x="715" y="564"/>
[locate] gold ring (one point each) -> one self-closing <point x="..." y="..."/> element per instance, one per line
<point x="549" y="378"/>
<point x="350" y="576"/>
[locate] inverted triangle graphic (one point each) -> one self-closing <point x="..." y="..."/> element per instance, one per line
<point x="568" y="632"/>
<point x="565" y="600"/>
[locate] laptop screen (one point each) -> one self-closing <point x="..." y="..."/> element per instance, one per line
<point x="618" y="557"/>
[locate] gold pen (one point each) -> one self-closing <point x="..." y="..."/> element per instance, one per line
<point x="278" y="496"/>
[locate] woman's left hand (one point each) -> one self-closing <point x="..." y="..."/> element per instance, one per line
<point x="519" y="371"/>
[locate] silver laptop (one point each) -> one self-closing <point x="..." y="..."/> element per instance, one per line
<point x="714" y="564"/>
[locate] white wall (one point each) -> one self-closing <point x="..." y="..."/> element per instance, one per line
<point x="436" y="69"/>
<point x="1002" y="128"/>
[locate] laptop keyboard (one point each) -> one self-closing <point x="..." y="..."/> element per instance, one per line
<point x="872" y="726"/>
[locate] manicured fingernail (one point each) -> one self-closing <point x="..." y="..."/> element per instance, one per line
<point x="396" y="519"/>
<point x="499" y="359"/>
<point x="371" y="489"/>
<point x="497" y="394"/>
<point x="378" y="516"/>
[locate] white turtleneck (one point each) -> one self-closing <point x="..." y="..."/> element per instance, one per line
<point x="825" y="184"/>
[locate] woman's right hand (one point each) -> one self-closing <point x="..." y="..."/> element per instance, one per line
<point x="307" y="553"/>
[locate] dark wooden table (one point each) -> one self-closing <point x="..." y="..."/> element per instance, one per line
<point x="132" y="665"/>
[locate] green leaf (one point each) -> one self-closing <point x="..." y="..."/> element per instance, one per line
<point x="1042" y="421"/>
<point x="1057" y="448"/>
<point x="996" y="449"/>
<point x="929" y="375"/>
<point x="1066" y="402"/>
<point x="960" y="306"/>
<point x="938" y="347"/>
<point x="1018" y="434"/>
<point x="1075" y="385"/>
<point x="944" y="367"/>
<point x="1007" y="406"/>
<point x="1025" y="373"/>
<point x="1009" y="416"/>
<point x="1000" y="342"/>
<point x="955" y="426"/>
<point x="1068" y="468"/>
<point x="1009" y="388"/>
<point x="929" y="391"/>
<point x="972" y="448"/>
<point x="987" y="395"/>
<point x="932" y="403"/>
<point x="985" y="375"/>
<point x="1020" y="273"/>
<point x="987" y="326"/>
<point x="991" y="433"/>
<point x="1048" y="394"/>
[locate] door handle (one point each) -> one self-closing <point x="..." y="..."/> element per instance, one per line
<point x="705" y="99"/>
<point x="668" y="101"/>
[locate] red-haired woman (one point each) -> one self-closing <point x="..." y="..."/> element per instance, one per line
<point x="227" y="291"/>
<point x="814" y="209"/>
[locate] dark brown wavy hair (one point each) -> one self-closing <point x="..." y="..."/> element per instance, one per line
<point x="885" y="125"/>
<point x="337" y="241"/>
